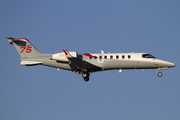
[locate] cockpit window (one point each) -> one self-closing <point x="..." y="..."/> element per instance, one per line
<point x="147" y="56"/>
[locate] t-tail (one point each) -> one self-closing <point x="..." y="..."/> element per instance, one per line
<point x="24" y="47"/>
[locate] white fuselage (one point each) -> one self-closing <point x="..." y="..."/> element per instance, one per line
<point x="109" y="61"/>
<point x="126" y="61"/>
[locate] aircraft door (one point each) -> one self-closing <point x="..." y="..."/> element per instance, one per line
<point x="100" y="59"/>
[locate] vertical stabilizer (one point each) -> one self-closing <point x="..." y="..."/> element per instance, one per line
<point x="24" y="47"/>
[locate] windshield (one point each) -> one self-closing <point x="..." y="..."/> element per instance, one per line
<point x="147" y="56"/>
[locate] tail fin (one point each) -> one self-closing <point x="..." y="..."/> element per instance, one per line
<point x="24" y="47"/>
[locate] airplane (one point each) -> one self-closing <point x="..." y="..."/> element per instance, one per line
<point x="87" y="63"/>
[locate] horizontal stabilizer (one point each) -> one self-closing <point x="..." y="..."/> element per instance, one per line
<point x="20" y="40"/>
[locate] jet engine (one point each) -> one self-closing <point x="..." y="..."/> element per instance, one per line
<point x="62" y="57"/>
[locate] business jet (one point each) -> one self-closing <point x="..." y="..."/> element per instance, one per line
<point x="87" y="63"/>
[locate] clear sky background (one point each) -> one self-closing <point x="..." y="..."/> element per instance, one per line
<point x="89" y="26"/>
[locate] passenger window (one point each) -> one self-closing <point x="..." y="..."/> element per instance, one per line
<point x="95" y="57"/>
<point x="111" y="57"/>
<point x="117" y="56"/>
<point x="100" y="57"/>
<point x="123" y="57"/>
<point x="90" y="57"/>
<point x="105" y="57"/>
<point x="129" y="56"/>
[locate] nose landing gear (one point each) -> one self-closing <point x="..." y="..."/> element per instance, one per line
<point x="159" y="74"/>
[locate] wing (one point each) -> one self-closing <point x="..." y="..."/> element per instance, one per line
<point x="77" y="64"/>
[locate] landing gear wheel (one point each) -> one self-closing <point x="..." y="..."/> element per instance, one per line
<point x="86" y="76"/>
<point x="86" y="79"/>
<point x="159" y="74"/>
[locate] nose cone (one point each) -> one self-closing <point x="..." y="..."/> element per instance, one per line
<point x="169" y="64"/>
<point x="163" y="63"/>
<point x="172" y="64"/>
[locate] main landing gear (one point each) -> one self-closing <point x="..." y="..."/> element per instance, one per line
<point x="86" y="76"/>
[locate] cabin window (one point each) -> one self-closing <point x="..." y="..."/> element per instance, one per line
<point x="90" y="57"/>
<point x="111" y="57"/>
<point x="95" y="57"/>
<point x="105" y="57"/>
<point x="100" y="57"/>
<point x="117" y="56"/>
<point x="129" y="56"/>
<point x="123" y="57"/>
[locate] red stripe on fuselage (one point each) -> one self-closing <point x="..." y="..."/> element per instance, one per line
<point x="89" y="55"/>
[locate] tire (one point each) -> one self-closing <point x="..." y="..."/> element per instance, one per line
<point x="86" y="79"/>
<point x="84" y="75"/>
<point x="159" y="74"/>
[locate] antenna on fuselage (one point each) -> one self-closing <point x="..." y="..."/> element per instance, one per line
<point x="102" y="51"/>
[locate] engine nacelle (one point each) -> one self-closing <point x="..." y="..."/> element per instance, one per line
<point x="62" y="57"/>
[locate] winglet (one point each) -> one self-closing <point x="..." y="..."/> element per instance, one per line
<point x="68" y="55"/>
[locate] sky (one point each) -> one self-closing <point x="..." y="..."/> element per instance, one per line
<point x="89" y="26"/>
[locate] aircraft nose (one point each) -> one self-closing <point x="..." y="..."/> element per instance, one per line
<point x="173" y="65"/>
<point x="163" y="63"/>
<point x="170" y="64"/>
